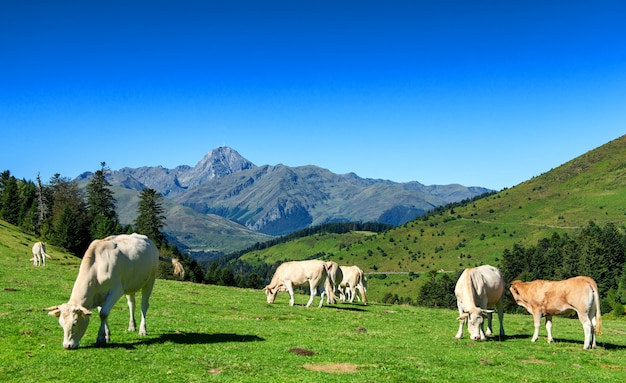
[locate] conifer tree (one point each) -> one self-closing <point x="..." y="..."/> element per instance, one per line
<point x="10" y="201"/>
<point x="150" y="219"/>
<point x="101" y="205"/>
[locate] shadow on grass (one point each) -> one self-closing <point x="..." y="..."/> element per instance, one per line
<point x="345" y="308"/>
<point x="600" y="344"/>
<point x="497" y="338"/>
<point x="184" y="338"/>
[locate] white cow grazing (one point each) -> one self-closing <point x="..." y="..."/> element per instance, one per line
<point x="548" y="298"/>
<point x="352" y="279"/>
<point x="296" y="273"/>
<point x="39" y="254"/>
<point x="115" y="266"/>
<point x="476" y="290"/>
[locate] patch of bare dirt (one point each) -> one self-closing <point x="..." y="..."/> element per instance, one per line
<point x="333" y="368"/>
<point x="612" y="367"/>
<point x="532" y="359"/>
<point x="301" y="351"/>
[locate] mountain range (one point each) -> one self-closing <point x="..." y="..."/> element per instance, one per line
<point x="264" y="201"/>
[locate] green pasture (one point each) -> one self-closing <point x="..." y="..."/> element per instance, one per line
<point x="205" y="333"/>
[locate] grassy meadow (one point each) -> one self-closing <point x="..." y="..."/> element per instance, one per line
<point x="204" y="333"/>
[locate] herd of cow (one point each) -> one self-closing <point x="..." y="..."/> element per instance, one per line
<point x="124" y="264"/>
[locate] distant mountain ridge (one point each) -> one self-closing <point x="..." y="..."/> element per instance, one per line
<point x="219" y="162"/>
<point x="279" y="199"/>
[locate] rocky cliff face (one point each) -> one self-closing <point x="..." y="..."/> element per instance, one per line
<point x="279" y="199"/>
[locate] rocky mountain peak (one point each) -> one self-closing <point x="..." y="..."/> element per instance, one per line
<point x="217" y="163"/>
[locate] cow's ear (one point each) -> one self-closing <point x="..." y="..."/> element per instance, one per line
<point x="463" y="316"/>
<point x="84" y="311"/>
<point x="485" y="312"/>
<point x="53" y="311"/>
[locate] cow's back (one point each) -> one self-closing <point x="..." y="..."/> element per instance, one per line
<point x="300" y="271"/>
<point x="131" y="260"/>
<point x="480" y="286"/>
<point x="37" y="248"/>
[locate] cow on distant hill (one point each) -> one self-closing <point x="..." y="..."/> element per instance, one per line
<point x="297" y="273"/>
<point x="39" y="254"/>
<point x="548" y="298"/>
<point x="112" y="267"/>
<point x="476" y="290"/>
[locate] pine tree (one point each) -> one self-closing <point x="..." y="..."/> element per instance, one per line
<point x="66" y="201"/>
<point x="150" y="219"/>
<point x="101" y="205"/>
<point x="10" y="201"/>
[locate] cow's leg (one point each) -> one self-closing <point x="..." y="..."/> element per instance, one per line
<point x="459" y="334"/>
<point x="289" y="287"/>
<point x="322" y="291"/>
<point x="588" y="329"/>
<point x="145" y="304"/>
<point x="352" y="292"/>
<point x="549" y="328"/>
<point x="132" y="325"/>
<point x="593" y="331"/>
<point x="537" y="323"/>
<point x="313" y="289"/>
<point x="501" y="317"/>
<point x="362" y="291"/>
<point x="489" y="324"/>
<point x="104" y="335"/>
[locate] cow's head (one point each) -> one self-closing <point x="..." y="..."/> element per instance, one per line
<point x="74" y="320"/>
<point x="271" y="294"/>
<point x="475" y="318"/>
<point x="514" y="289"/>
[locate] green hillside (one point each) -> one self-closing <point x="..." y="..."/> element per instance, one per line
<point x="588" y="188"/>
<point x="207" y="333"/>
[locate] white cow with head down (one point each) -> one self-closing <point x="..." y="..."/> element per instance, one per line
<point x="476" y="290"/>
<point x="115" y="266"/>
<point x="297" y="273"/>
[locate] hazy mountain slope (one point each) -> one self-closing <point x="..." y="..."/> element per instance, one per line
<point x="189" y="229"/>
<point x="279" y="199"/>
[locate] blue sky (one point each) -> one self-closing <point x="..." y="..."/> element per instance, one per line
<point x="481" y="93"/>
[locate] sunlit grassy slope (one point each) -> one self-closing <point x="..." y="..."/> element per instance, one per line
<point x="591" y="187"/>
<point x="205" y="333"/>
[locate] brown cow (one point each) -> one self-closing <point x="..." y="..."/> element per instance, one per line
<point x="547" y="298"/>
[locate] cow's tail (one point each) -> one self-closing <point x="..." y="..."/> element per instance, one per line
<point x="178" y="267"/>
<point x="596" y="297"/>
